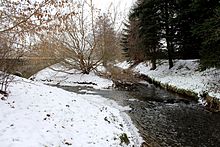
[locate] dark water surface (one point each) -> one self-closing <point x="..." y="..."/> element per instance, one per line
<point x="164" y="118"/>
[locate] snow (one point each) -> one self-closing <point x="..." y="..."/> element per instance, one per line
<point x="123" y="65"/>
<point x="185" y="75"/>
<point x="71" y="78"/>
<point x="37" y="115"/>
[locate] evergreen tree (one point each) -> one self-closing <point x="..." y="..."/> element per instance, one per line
<point x="158" y="22"/>
<point x="131" y="42"/>
<point x="146" y="13"/>
<point x="188" y="45"/>
<point x="209" y="32"/>
<point x="168" y="26"/>
<point x="124" y="40"/>
<point x="190" y="29"/>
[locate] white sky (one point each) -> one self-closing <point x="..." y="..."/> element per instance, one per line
<point x="122" y="7"/>
<point x="104" y="4"/>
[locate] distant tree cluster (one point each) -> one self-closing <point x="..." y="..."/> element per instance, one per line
<point x="173" y="29"/>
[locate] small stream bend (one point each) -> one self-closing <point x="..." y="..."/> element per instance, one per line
<point x="164" y="118"/>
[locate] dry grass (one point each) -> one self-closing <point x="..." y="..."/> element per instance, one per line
<point x="123" y="75"/>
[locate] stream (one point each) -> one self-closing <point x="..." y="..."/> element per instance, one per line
<point x="164" y="118"/>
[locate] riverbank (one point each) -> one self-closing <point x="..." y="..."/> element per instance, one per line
<point x="162" y="118"/>
<point x="35" y="114"/>
<point x="185" y="78"/>
<point x="60" y="76"/>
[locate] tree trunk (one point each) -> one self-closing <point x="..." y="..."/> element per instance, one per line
<point x="153" y="62"/>
<point x="170" y="58"/>
<point x="168" y="36"/>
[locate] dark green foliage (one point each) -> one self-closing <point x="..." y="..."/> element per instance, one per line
<point x="209" y="32"/>
<point x="131" y="42"/>
<point x="142" y="43"/>
<point x="187" y="45"/>
<point x="190" y="28"/>
<point x="146" y="13"/>
<point x="199" y="26"/>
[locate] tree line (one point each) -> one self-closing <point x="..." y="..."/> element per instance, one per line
<point x="74" y="33"/>
<point x="173" y="29"/>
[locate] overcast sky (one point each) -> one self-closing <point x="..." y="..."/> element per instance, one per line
<point x="103" y="4"/>
<point x="123" y="7"/>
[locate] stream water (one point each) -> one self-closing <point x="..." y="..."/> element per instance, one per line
<point x="164" y="118"/>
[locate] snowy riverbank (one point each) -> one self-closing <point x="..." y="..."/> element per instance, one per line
<point x="72" y="77"/>
<point x="185" y="76"/>
<point x="37" y="115"/>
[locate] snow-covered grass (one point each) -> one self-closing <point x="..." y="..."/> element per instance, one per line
<point x="184" y="75"/>
<point x="36" y="115"/>
<point x="71" y="78"/>
<point x="123" y="65"/>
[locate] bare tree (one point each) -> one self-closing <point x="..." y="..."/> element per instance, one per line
<point x="5" y="51"/>
<point x="107" y="39"/>
<point x="20" y="21"/>
<point x="88" y="39"/>
<point x="77" y="42"/>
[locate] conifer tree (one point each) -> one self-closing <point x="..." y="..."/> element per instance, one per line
<point x="131" y="41"/>
<point x="190" y="29"/>
<point x="209" y="32"/>
<point x="146" y="13"/>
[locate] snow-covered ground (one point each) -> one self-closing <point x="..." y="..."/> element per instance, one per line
<point x="71" y="78"/>
<point x="36" y="115"/>
<point x="184" y="75"/>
